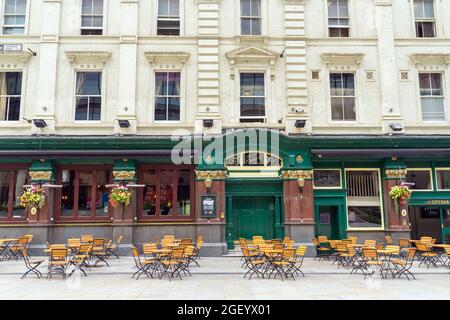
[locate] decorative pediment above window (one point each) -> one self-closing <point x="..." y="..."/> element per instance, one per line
<point x="430" y="60"/>
<point x="167" y="59"/>
<point x="254" y="56"/>
<point x="14" y="59"/>
<point x="342" y="60"/>
<point x="88" y="59"/>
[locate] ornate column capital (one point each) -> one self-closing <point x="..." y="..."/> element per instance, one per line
<point x="211" y="174"/>
<point x="297" y="174"/>
<point x="395" y="173"/>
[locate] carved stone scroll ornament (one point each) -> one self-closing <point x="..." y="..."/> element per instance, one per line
<point x="396" y="173"/>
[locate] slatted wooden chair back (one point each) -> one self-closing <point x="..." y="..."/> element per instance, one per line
<point x="411" y="254"/>
<point x="30" y="237"/>
<point x="421" y="247"/>
<point x="333" y="244"/>
<point x="58" y="254"/>
<point x="186" y="240"/>
<point x="301" y="251"/>
<point x="278" y="246"/>
<point x="403" y="242"/>
<point x="73" y="242"/>
<point x="322" y="238"/>
<point x="395" y="249"/>
<point x="149" y="248"/>
<point x="433" y="241"/>
<point x="200" y="238"/>
<point x="177" y="254"/>
<point x="85" y="249"/>
<point x="380" y="246"/>
<point x="98" y="242"/>
<point x="370" y="243"/>
<point x="288" y="254"/>
<point x="265" y="246"/>
<point x="286" y="239"/>
<point x="347" y="241"/>
<point x="350" y="249"/>
<point x="189" y="250"/>
<point x="134" y="252"/>
<point x="87" y="238"/>
<point x="389" y="240"/>
<point x="353" y="239"/>
<point x="22" y="242"/>
<point x="316" y="242"/>
<point x="370" y="253"/>
<point x="56" y="246"/>
<point x="447" y="251"/>
<point x="290" y="244"/>
<point x="169" y="237"/>
<point x="199" y="244"/>
<point x="426" y="240"/>
<point x="119" y="240"/>
<point x="341" y="247"/>
<point x="243" y="242"/>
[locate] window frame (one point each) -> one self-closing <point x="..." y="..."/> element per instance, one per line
<point x="25" y="26"/>
<point x="338" y="17"/>
<point x="102" y="28"/>
<point x="422" y="20"/>
<point x="140" y="192"/>
<point x="155" y="96"/>
<point x="12" y="183"/>
<point x="22" y="84"/>
<point x="430" y="171"/>
<point x="328" y="188"/>
<point x="355" y="89"/>
<point x="58" y="194"/>
<point x="260" y="18"/>
<point x="380" y="191"/>
<point x="444" y="100"/>
<point x="168" y="18"/>
<point x="436" y="177"/>
<point x="266" y="113"/>
<point x="102" y="99"/>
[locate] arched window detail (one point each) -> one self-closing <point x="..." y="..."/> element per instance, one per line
<point x="253" y="159"/>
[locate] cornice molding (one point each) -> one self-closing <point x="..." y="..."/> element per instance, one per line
<point x="154" y="57"/>
<point x="430" y="58"/>
<point x="252" y="55"/>
<point x="91" y="56"/>
<point x="19" y="56"/>
<point x="206" y="1"/>
<point x="342" y="59"/>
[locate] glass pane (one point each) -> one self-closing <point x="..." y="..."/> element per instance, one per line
<point x="184" y="193"/>
<point x="425" y="84"/>
<point x="336" y="84"/>
<point x="4" y="193"/>
<point x="161" y="83"/>
<point x="252" y="107"/>
<point x="245" y="8"/>
<point x="13" y="83"/>
<point x="364" y="217"/>
<point x="98" y="7"/>
<point x="81" y="109"/>
<point x="68" y="191"/>
<point x="89" y="83"/>
<point x="160" y="109"/>
<point x="95" y="107"/>
<point x="428" y="8"/>
<point x="15" y="20"/>
<point x="166" y="192"/>
<point x="102" y="196"/>
<point x="14" y="109"/>
<point x="425" y="29"/>
<point x="149" y="193"/>
<point x="255" y="8"/>
<point x="443" y="179"/>
<point x="349" y="109"/>
<point x="253" y="159"/>
<point x="343" y="8"/>
<point x="433" y="109"/>
<point x="256" y="26"/>
<point x="332" y="8"/>
<point x="22" y="179"/>
<point x="348" y="84"/>
<point x="337" y="112"/>
<point x="421" y="179"/>
<point x="174" y="8"/>
<point x="169" y="27"/>
<point x="85" y="194"/>
<point x="418" y="8"/>
<point x="87" y="7"/>
<point x="436" y="84"/>
<point x="245" y="26"/>
<point x="327" y="178"/>
<point x="4" y="108"/>
<point x="163" y="8"/>
<point x="446" y="218"/>
<point x="252" y="84"/>
<point x="18" y="30"/>
<point x="173" y="83"/>
<point x="174" y="109"/>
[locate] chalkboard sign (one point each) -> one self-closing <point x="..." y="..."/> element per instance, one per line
<point x="208" y="207"/>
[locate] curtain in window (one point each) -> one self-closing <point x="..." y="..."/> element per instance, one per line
<point x="81" y="80"/>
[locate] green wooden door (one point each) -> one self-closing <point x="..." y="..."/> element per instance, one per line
<point x="329" y="216"/>
<point x="445" y="223"/>
<point x="254" y="216"/>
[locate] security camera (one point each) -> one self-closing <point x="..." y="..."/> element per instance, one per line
<point x="299" y="109"/>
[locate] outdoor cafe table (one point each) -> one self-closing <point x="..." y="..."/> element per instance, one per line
<point x="387" y="266"/>
<point x="7" y="243"/>
<point x="270" y="255"/>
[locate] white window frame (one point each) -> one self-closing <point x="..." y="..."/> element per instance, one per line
<point x="328" y="188"/>
<point x="266" y="117"/>
<point x="416" y="20"/>
<point x="443" y="83"/>
<point x="436" y="177"/>
<point x="25" y="26"/>
<point x="355" y="80"/>
<point x="157" y="18"/>
<point x="93" y="15"/>
<point x="102" y="96"/>
<point x="338" y="17"/>
<point x="430" y="175"/>
<point x="22" y="96"/>
<point x="251" y="17"/>
<point x="380" y="192"/>
<point x="155" y="96"/>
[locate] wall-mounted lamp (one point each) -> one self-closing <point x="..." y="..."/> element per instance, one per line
<point x="39" y="123"/>
<point x="300" y="124"/>
<point x="301" y="183"/>
<point x="396" y="126"/>
<point x="124" y="123"/>
<point x="208" y="184"/>
<point x="208" y="123"/>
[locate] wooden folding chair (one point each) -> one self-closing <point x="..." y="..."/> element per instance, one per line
<point x="402" y="267"/>
<point x="173" y="265"/>
<point x="31" y="265"/>
<point x="58" y="262"/>
<point x="87" y="238"/>
<point x="99" y="251"/>
<point x="147" y="266"/>
<point x="81" y="258"/>
<point x="113" y="248"/>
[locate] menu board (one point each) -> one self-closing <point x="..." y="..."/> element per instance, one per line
<point x="208" y="207"/>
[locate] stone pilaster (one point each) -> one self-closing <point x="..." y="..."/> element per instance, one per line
<point x="208" y="66"/>
<point x="295" y="64"/>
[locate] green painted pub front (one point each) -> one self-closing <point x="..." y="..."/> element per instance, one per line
<point x="306" y="185"/>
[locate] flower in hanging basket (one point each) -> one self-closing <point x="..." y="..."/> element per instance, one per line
<point x="400" y="194"/>
<point x="33" y="198"/>
<point x="120" y="196"/>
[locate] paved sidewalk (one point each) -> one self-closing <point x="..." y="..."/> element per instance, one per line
<point x="222" y="278"/>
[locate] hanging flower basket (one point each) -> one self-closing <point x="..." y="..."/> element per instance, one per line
<point x="120" y="196"/>
<point x="33" y="198"/>
<point x="400" y="195"/>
